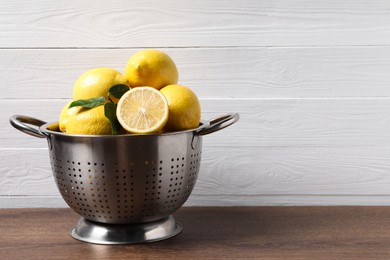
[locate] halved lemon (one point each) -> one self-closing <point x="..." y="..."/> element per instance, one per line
<point x="142" y="110"/>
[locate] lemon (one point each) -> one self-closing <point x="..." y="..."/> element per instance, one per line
<point x="88" y="121"/>
<point x="96" y="83"/>
<point x="142" y="110"/>
<point x="152" y="68"/>
<point x="184" y="107"/>
<point x="65" y="114"/>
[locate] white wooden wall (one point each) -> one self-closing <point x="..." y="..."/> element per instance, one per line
<point x="310" y="79"/>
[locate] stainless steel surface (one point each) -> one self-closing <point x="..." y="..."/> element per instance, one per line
<point x="124" y="179"/>
<point x="22" y="124"/>
<point x="129" y="179"/>
<point x="98" y="233"/>
<point x="218" y="123"/>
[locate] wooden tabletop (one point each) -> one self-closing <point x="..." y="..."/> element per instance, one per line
<point x="212" y="233"/>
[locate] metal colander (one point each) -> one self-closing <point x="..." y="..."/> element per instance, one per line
<point x="124" y="179"/>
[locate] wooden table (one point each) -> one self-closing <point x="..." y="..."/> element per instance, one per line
<point x="212" y="233"/>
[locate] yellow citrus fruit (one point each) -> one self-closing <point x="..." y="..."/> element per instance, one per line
<point x="65" y="114"/>
<point x="142" y="110"/>
<point x="152" y="68"/>
<point x="184" y="108"/>
<point x="96" y="83"/>
<point x="88" y="121"/>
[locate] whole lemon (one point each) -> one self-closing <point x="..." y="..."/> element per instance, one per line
<point x="65" y="114"/>
<point x="96" y="83"/>
<point x="184" y="108"/>
<point x="152" y="68"/>
<point x="88" y="121"/>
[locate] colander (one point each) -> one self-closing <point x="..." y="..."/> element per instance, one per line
<point x="125" y="187"/>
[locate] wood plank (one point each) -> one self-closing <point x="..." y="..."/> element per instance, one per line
<point x="264" y="122"/>
<point x="294" y="171"/>
<point x="325" y="72"/>
<point x="255" y="200"/>
<point x="177" y="23"/>
<point x="29" y="201"/>
<point x="252" y="175"/>
<point x="215" y="233"/>
<point x="26" y="172"/>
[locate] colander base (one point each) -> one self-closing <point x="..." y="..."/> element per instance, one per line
<point x="99" y="233"/>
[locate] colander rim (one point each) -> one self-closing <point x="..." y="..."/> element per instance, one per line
<point x="53" y="129"/>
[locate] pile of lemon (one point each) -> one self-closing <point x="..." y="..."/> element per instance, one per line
<point x="146" y="99"/>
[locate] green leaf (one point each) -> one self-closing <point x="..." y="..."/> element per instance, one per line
<point x="110" y="113"/>
<point x="89" y="103"/>
<point x="118" y="90"/>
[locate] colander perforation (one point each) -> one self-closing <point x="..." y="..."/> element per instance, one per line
<point x="118" y="192"/>
<point x="127" y="180"/>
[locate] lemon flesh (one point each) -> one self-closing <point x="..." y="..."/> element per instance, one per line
<point x="152" y="68"/>
<point x="142" y="110"/>
<point x="184" y="108"/>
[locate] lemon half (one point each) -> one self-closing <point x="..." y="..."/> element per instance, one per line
<point x="142" y="110"/>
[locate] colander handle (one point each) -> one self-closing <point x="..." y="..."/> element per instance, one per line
<point x="22" y="124"/>
<point x="219" y="123"/>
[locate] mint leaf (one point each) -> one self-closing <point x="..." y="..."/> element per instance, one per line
<point x="118" y="90"/>
<point x="110" y="113"/>
<point x="89" y="103"/>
